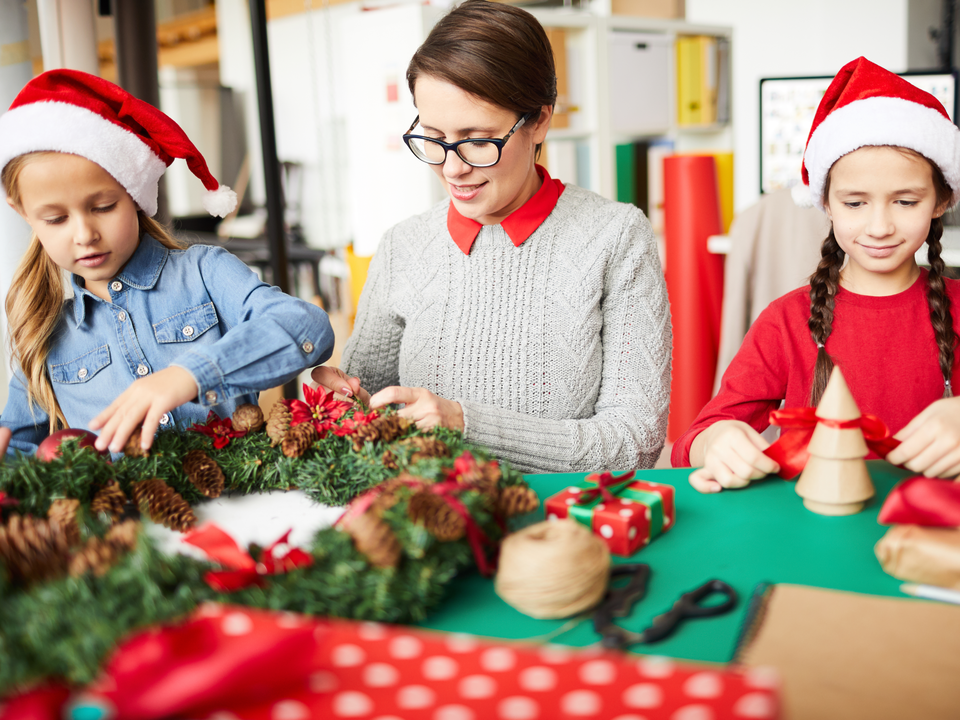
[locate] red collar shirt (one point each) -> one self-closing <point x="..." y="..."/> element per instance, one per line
<point x="519" y="225"/>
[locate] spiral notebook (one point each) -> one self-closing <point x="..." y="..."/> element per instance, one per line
<point x="851" y="656"/>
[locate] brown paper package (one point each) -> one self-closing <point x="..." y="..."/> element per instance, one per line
<point x="921" y="554"/>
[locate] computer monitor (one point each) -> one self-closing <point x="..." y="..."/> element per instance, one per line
<point x="787" y="107"/>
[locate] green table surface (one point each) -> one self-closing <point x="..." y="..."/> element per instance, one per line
<point x="762" y="533"/>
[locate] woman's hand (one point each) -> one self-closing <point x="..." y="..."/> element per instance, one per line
<point x="144" y="402"/>
<point x="343" y="385"/>
<point x="422" y="406"/>
<point x="931" y="441"/>
<point x="5" y="435"/>
<point x="731" y="453"/>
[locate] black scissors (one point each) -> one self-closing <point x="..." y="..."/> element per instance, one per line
<point x="619" y="602"/>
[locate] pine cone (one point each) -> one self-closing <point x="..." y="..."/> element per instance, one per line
<point x="109" y="500"/>
<point x="163" y="504"/>
<point x="426" y="447"/>
<point x="63" y="512"/>
<point x="204" y="472"/>
<point x="385" y="428"/>
<point x="33" y="549"/>
<point x="98" y="555"/>
<point x="299" y="439"/>
<point x="132" y="448"/>
<point x="278" y="423"/>
<point x="517" y="500"/>
<point x="485" y="479"/>
<point x="247" y="417"/>
<point x="374" y="538"/>
<point x="389" y="460"/>
<point x="433" y="512"/>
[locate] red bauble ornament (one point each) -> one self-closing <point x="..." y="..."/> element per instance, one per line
<point x="50" y="447"/>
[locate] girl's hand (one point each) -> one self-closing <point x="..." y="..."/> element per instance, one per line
<point x="333" y="378"/>
<point x="422" y="406"/>
<point x="5" y="435"/>
<point x="931" y="441"/>
<point x="144" y="402"/>
<point x="732" y="455"/>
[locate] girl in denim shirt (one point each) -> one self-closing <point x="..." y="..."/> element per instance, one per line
<point x="195" y="328"/>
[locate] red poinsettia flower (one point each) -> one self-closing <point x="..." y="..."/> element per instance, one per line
<point x="320" y="408"/>
<point x="220" y="429"/>
<point x="7" y="501"/>
<point x="350" y="425"/>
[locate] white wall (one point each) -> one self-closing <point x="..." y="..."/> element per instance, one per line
<point x="15" y="71"/>
<point x="795" y="37"/>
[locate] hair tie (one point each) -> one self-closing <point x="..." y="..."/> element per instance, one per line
<point x="820" y="345"/>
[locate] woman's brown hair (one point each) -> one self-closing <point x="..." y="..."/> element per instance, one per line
<point x="496" y="52"/>
<point x="35" y="301"/>
<point x="825" y="282"/>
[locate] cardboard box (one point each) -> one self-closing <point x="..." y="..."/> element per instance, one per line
<point x="649" y="8"/>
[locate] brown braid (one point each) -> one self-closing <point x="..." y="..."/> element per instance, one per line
<point x="939" y="303"/>
<point x="824" y="284"/>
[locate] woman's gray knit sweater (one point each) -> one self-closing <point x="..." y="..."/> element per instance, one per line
<point x="557" y="350"/>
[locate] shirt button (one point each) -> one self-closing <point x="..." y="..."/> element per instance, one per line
<point x="210" y="396"/>
<point x="142" y="370"/>
<point x="122" y="316"/>
<point x="116" y="286"/>
<point x="165" y="419"/>
<point x="307" y="347"/>
<point x="82" y="374"/>
<point x="188" y="331"/>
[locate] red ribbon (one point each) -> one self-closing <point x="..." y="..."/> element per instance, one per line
<point x="447" y="490"/>
<point x="923" y="501"/>
<point x="7" y="501"/>
<point x="245" y="571"/>
<point x="604" y="482"/>
<point x="790" y="450"/>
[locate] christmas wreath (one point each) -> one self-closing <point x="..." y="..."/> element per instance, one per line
<point x="78" y="571"/>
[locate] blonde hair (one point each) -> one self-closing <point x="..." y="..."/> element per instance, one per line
<point x="35" y="301"/>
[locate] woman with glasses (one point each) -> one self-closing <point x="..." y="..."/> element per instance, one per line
<point x="530" y="314"/>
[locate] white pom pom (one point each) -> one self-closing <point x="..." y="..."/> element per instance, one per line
<point x="220" y="202"/>
<point x="802" y="195"/>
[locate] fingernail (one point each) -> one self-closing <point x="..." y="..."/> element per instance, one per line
<point x="346" y="391"/>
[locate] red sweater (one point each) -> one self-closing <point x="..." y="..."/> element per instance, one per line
<point x="883" y="345"/>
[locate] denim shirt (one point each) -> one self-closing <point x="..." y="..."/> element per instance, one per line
<point x="200" y="309"/>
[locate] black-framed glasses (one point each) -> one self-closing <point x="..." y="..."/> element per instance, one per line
<point x="476" y="152"/>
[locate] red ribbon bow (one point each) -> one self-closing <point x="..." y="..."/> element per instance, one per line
<point x="245" y="571"/>
<point x="447" y="490"/>
<point x="604" y="482"/>
<point x="931" y="502"/>
<point x="798" y="424"/>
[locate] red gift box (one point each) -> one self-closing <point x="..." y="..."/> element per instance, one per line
<point x="369" y="670"/>
<point x="635" y="513"/>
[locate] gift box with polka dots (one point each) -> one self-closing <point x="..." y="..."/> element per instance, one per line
<point x="641" y="511"/>
<point x="233" y="663"/>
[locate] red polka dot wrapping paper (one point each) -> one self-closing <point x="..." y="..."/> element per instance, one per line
<point x="641" y="511"/>
<point x="232" y="663"/>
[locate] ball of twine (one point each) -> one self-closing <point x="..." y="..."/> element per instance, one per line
<point x="553" y="569"/>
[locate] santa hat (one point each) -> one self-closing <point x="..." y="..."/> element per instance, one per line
<point x="867" y="105"/>
<point x="73" y="112"/>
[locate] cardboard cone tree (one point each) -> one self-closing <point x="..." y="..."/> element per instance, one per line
<point x="835" y="480"/>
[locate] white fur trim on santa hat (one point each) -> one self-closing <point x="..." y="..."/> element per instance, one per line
<point x="883" y="121"/>
<point x="220" y="202"/>
<point x="62" y="127"/>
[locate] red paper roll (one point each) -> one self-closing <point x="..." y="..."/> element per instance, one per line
<point x="691" y="208"/>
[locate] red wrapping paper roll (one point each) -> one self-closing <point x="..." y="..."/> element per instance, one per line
<point x="694" y="282"/>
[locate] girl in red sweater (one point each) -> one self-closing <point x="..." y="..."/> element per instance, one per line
<point x="883" y="161"/>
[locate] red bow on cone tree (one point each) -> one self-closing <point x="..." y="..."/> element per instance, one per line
<point x="835" y="480"/>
